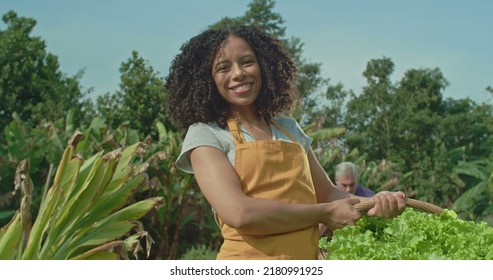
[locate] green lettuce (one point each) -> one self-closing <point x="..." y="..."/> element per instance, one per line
<point x="413" y="235"/>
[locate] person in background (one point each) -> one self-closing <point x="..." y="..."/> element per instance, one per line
<point x="230" y="89"/>
<point x="346" y="179"/>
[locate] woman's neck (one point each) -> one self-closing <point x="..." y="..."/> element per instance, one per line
<point x="250" y="119"/>
<point x="246" y="115"/>
<point x="256" y="125"/>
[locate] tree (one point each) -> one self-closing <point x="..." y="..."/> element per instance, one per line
<point x="140" y="101"/>
<point x="467" y="124"/>
<point x="369" y="114"/>
<point x="31" y="83"/>
<point x="260" y="14"/>
<point x="410" y="124"/>
<point x="418" y="99"/>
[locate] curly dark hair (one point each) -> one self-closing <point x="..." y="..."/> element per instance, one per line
<point x="193" y="95"/>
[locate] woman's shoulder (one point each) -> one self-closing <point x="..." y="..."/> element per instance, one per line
<point x="201" y="125"/>
<point x="206" y="134"/>
<point x="293" y="127"/>
<point x="207" y="128"/>
<point x="287" y="122"/>
<point x="202" y="134"/>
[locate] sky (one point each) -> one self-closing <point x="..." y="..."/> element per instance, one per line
<point x="97" y="36"/>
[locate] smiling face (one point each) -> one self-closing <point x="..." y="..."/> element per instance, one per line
<point x="237" y="73"/>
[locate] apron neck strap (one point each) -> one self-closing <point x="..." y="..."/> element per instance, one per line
<point x="234" y="128"/>
<point x="283" y="130"/>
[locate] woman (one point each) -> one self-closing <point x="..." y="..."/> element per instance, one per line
<point x="228" y="88"/>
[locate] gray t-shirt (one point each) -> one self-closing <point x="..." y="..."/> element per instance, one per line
<point x="201" y="134"/>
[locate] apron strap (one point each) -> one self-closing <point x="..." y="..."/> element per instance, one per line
<point x="283" y="130"/>
<point x="234" y="128"/>
<point x="239" y="138"/>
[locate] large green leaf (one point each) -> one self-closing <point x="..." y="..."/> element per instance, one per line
<point x="112" y="201"/>
<point x="82" y="216"/>
<point x="10" y="238"/>
<point x="85" y="171"/>
<point x="132" y="212"/>
<point x="477" y="169"/>
<point x="108" y="233"/>
<point x="80" y="202"/>
<point x="116" y="220"/>
<point x="108" y="203"/>
<point x="126" y="156"/>
<point x="48" y="207"/>
<point x="93" y="238"/>
<point x="470" y="198"/>
<point x="95" y="199"/>
<point x="55" y="233"/>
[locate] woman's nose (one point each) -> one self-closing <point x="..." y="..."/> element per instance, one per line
<point x="238" y="72"/>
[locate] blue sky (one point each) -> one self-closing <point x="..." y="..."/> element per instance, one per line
<point x="97" y="36"/>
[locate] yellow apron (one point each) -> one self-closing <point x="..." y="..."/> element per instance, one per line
<point x="276" y="170"/>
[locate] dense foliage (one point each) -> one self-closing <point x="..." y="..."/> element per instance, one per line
<point x="141" y="89"/>
<point x="31" y="83"/>
<point x="174" y="228"/>
<point x="413" y="235"/>
<point x="409" y="123"/>
<point x="85" y="214"/>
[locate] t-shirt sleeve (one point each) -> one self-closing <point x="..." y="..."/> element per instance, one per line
<point x="295" y="129"/>
<point x="198" y="134"/>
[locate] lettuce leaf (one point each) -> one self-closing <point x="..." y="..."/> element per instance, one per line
<point x="413" y="235"/>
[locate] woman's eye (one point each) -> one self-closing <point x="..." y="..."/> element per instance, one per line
<point x="247" y="62"/>
<point x="222" y="69"/>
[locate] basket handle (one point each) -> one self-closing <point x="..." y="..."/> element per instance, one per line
<point x="417" y="204"/>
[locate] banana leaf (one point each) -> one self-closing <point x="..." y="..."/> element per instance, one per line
<point x="86" y="212"/>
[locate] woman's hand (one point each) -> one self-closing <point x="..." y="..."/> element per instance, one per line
<point x="341" y="213"/>
<point x="388" y="204"/>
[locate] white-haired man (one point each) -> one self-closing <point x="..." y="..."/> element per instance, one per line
<point x="346" y="179"/>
